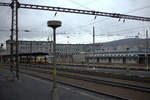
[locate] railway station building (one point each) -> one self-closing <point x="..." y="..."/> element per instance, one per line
<point x="31" y="51"/>
<point x="130" y="57"/>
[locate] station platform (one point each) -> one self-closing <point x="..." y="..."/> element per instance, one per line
<point x="33" y="88"/>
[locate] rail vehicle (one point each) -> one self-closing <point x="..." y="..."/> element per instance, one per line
<point x="37" y="60"/>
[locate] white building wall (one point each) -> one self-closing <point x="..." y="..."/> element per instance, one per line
<point x="103" y="60"/>
<point x="32" y="47"/>
<point x="131" y="61"/>
<point x="79" y="58"/>
<point x="117" y="60"/>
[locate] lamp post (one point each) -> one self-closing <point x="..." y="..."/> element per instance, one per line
<point x="1" y="47"/>
<point x="146" y="53"/>
<point x="127" y="58"/>
<point x="54" y="24"/>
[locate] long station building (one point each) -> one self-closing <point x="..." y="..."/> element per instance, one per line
<point x="74" y="53"/>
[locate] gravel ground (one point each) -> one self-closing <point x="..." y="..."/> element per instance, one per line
<point x="31" y="88"/>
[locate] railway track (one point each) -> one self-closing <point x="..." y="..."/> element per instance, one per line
<point x="118" y="90"/>
<point x="98" y="81"/>
<point x="145" y="90"/>
<point x="97" y="73"/>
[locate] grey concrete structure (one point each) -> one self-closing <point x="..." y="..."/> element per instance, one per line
<point x="47" y="47"/>
<point x="83" y="53"/>
<point x="32" y="88"/>
<point x="130" y="57"/>
<point x="32" y="46"/>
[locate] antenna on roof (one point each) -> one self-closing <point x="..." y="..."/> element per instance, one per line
<point x="48" y="38"/>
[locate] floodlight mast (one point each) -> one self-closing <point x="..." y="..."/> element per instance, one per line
<point x="54" y="24"/>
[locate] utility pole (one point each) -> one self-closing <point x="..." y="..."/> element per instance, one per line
<point x="1" y="47"/>
<point x="11" y="38"/>
<point x="93" y="48"/>
<point x="93" y="35"/>
<point x="11" y="52"/>
<point x="30" y="51"/>
<point x="146" y="55"/>
<point x="14" y="6"/>
<point x="127" y="57"/>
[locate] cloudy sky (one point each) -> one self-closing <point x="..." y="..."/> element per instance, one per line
<point x="77" y="28"/>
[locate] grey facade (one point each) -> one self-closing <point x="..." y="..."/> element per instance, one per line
<point x="130" y="57"/>
<point x="80" y="53"/>
<point x="31" y="46"/>
<point x="47" y="47"/>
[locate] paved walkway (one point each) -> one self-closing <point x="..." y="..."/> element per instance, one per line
<point x="31" y="88"/>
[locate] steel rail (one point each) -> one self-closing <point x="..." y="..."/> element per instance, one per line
<point x="94" y="73"/>
<point x="98" y="81"/>
<point x="75" y="86"/>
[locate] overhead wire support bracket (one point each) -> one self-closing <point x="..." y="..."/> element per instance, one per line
<point x="4" y="4"/>
<point x="87" y="12"/>
<point x="78" y="11"/>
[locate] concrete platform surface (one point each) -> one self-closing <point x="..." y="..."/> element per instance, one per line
<point x="33" y="88"/>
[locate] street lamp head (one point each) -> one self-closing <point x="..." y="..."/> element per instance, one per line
<point x="54" y="23"/>
<point x="2" y="45"/>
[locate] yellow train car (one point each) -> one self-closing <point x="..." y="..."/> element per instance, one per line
<point x="33" y="60"/>
<point x="42" y="60"/>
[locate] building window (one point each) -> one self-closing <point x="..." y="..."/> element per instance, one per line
<point x="130" y="59"/>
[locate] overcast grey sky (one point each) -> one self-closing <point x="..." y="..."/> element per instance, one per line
<point x="77" y="28"/>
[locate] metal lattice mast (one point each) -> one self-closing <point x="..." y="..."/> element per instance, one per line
<point x="15" y="5"/>
<point x="11" y="38"/>
<point x="79" y="11"/>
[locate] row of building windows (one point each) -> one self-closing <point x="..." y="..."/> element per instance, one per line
<point x="96" y="55"/>
<point x="111" y="60"/>
<point x="68" y="49"/>
<point x="22" y="48"/>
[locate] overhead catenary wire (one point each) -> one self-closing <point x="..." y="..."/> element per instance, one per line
<point x="114" y="15"/>
<point x="105" y="19"/>
<point x="90" y="2"/>
<point x="126" y="30"/>
<point x="78" y="4"/>
<point x="113" y="25"/>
